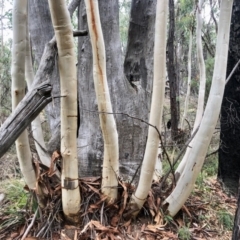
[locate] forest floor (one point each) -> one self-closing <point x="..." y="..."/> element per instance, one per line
<point x="207" y="214"/>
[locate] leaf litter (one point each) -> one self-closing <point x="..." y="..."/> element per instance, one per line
<point x="101" y="220"/>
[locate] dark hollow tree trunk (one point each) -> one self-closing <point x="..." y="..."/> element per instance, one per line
<point x="229" y="151"/>
<point x="130" y="86"/>
<point x="172" y="76"/>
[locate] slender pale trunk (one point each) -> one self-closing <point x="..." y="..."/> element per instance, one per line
<point x="203" y="137"/>
<point x="68" y="80"/>
<point x="18" y="86"/>
<point x="107" y="122"/>
<point x="201" y="94"/>
<point x="36" y="123"/>
<point x="159" y="78"/>
<point x="189" y="79"/>
<point x="201" y="66"/>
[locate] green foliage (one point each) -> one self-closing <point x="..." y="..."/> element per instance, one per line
<point x="210" y="166"/>
<point x="168" y="219"/>
<point x="184" y="233"/>
<point x="226" y="219"/>
<point x="185" y="17"/>
<point x="124" y="14"/>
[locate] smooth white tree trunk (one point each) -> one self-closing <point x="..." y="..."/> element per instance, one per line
<point x="185" y="112"/>
<point x="107" y="121"/>
<point x="68" y="80"/>
<point x="18" y="86"/>
<point x="159" y="78"/>
<point x="203" y="137"/>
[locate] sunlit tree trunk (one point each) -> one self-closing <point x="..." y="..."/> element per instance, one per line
<point x="18" y="86"/>
<point x="203" y="137"/>
<point x="149" y="161"/>
<point x="107" y="122"/>
<point x="68" y="80"/>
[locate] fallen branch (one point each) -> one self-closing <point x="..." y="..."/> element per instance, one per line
<point x="27" y="110"/>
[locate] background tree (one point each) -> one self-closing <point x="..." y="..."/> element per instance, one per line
<point x="172" y="74"/>
<point x="229" y="161"/>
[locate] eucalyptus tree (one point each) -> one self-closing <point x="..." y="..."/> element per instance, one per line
<point x="130" y="86"/>
<point x="151" y="152"/>
<point x="202" y="139"/>
<point x="18" y="86"/>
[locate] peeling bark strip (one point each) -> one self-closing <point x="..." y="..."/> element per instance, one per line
<point x="27" y="110"/>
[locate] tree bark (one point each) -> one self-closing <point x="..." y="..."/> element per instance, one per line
<point x="229" y="151"/>
<point x="126" y="98"/>
<point x="172" y="75"/>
